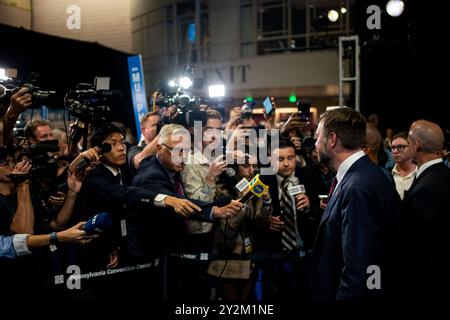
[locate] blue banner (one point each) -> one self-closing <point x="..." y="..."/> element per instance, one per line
<point x="137" y="91"/>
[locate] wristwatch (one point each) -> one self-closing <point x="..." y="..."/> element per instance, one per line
<point x="54" y="238"/>
<point x="159" y="200"/>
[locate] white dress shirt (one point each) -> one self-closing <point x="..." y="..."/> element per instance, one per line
<point x="345" y="165"/>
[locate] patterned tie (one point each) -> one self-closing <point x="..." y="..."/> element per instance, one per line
<point x="289" y="236"/>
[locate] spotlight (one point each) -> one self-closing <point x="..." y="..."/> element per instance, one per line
<point x="185" y="82"/>
<point x="3" y="74"/>
<point x="395" y="7"/>
<point x="216" y="91"/>
<point x="172" y="83"/>
<point x="333" y="15"/>
<point x="343" y="10"/>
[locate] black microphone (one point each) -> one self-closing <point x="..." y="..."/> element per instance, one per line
<point x="104" y="148"/>
<point x="221" y="202"/>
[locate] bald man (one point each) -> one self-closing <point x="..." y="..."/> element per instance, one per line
<point x="426" y="212"/>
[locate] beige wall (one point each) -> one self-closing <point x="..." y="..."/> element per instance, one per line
<point x="16" y="13"/>
<point x="107" y="22"/>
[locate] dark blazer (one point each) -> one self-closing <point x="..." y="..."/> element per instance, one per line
<point x="358" y="229"/>
<point x="159" y="229"/>
<point x="425" y="223"/>
<point x="307" y="222"/>
<point x="101" y="191"/>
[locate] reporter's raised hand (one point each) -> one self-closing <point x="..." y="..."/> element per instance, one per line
<point x="75" y="234"/>
<point x="183" y="207"/>
<point x="294" y="121"/>
<point x="215" y="169"/>
<point x="230" y="210"/>
<point x="20" y="100"/>
<point x="22" y="167"/>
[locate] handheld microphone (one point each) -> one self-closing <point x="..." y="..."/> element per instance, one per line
<point x="256" y="188"/>
<point x="98" y="223"/>
<point x="104" y="148"/>
<point x="221" y="202"/>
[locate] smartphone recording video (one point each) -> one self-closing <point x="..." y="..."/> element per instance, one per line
<point x="304" y="108"/>
<point x="269" y="106"/>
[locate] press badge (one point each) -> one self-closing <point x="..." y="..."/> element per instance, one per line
<point x="294" y="190"/>
<point x="247" y="245"/>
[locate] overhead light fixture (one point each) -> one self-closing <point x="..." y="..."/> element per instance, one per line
<point x="216" y="91"/>
<point x="333" y="15"/>
<point x="343" y="10"/>
<point x="185" y="82"/>
<point x="395" y="8"/>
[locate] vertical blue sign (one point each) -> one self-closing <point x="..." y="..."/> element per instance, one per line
<point x="137" y="91"/>
<point x="192" y="34"/>
<point x="44" y="113"/>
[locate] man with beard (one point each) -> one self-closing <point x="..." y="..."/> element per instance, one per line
<point x="352" y="254"/>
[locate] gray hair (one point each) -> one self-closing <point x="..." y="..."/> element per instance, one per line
<point x="170" y="129"/>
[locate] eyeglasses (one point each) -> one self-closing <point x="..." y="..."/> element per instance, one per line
<point x="177" y="151"/>
<point x="400" y="147"/>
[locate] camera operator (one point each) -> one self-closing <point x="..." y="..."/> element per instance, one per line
<point x="199" y="181"/>
<point x="136" y="154"/>
<point x="19" y="102"/>
<point x="15" y="200"/>
<point x="39" y="130"/>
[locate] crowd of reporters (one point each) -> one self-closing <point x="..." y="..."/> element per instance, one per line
<point x="177" y="211"/>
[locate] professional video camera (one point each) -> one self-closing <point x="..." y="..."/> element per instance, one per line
<point x="186" y="107"/>
<point x="39" y="97"/>
<point x="44" y="166"/>
<point x="89" y="104"/>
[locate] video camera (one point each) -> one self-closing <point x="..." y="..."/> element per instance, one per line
<point x="39" y="97"/>
<point x="187" y="107"/>
<point x="44" y="166"/>
<point x="89" y="104"/>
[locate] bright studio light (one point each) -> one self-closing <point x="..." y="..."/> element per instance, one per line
<point x="395" y="7"/>
<point x="343" y="10"/>
<point x="216" y="91"/>
<point x="3" y="74"/>
<point x="185" y="82"/>
<point x="333" y="15"/>
<point x="172" y="83"/>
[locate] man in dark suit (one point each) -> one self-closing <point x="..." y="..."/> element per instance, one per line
<point x="352" y="255"/>
<point x="162" y="174"/>
<point x="293" y="224"/>
<point x="107" y="187"/>
<point x="425" y="220"/>
<point x="161" y="231"/>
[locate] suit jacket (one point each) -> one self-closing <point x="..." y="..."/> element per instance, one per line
<point x="358" y="229"/>
<point x="101" y="191"/>
<point x="158" y="230"/>
<point x="307" y="222"/>
<point x="425" y="222"/>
